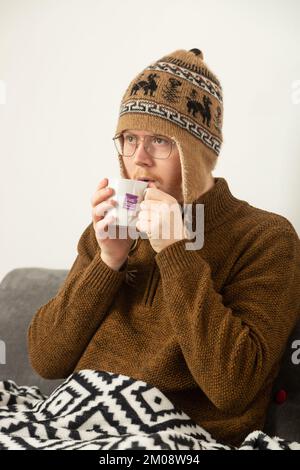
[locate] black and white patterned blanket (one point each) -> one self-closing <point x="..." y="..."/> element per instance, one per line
<point x="103" y="411"/>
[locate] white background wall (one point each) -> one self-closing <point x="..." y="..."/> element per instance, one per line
<point x="66" y="65"/>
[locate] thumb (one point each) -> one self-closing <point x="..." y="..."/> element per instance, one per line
<point x="151" y="184"/>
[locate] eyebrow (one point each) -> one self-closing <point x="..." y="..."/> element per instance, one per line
<point x="157" y="135"/>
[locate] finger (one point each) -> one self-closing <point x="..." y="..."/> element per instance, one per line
<point x="99" y="211"/>
<point x="143" y="225"/>
<point x="149" y="203"/>
<point x="155" y="194"/>
<point x="102" y="184"/>
<point x="155" y="207"/>
<point x="101" y="227"/>
<point x="151" y="184"/>
<point x="101" y="195"/>
<point x="144" y="215"/>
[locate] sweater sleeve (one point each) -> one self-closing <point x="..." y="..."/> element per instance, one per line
<point x="62" y="328"/>
<point x="232" y="340"/>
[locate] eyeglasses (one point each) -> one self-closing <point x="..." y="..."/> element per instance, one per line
<point x="155" y="145"/>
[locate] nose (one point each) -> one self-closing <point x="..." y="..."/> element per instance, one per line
<point x="141" y="157"/>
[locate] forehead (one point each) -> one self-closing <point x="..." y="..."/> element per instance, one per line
<point x="140" y="133"/>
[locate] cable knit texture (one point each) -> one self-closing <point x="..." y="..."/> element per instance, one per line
<point x="208" y="327"/>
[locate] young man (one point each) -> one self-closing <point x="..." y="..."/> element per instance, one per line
<point x="208" y="327"/>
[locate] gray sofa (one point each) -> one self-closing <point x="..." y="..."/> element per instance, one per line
<point x="24" y="290"/>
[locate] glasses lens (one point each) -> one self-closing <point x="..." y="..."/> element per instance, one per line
<point x="118" y="144"/>
<point x="129" y="145"/>
<point x="158" y="147"/>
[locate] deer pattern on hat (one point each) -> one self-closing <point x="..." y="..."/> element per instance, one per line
<point x="148" y="85"/>
<point x="203" y="108"/>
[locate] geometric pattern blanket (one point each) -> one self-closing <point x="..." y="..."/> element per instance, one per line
<point x="103" y="411"/>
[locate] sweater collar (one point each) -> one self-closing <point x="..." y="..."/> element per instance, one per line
<point x="219" y="204"/>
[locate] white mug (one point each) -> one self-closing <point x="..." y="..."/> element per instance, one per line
<point x="128" y="194"/>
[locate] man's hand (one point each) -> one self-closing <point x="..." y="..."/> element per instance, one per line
<point x="161" y="217"/>
<point x="114" y="251"/>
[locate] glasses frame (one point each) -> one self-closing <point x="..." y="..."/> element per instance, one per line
<point x="143" y="139"/>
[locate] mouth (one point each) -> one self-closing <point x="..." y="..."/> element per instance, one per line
<point x="147" y="180"/>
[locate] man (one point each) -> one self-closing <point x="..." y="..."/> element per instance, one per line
<point x="208" y="327"/>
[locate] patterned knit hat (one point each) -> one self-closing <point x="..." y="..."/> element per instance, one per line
<point x="179" y="97"/>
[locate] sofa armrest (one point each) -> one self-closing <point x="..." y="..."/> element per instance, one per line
<point x="283" y="417"/>
<point x="22" y="292"/>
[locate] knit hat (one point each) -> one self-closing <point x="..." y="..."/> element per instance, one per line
<point x="179" y="97"/>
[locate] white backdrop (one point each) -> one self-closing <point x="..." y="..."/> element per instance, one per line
<point x="64" y="66"/>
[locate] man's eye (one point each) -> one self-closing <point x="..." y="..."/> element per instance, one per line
<point x="159" y="140"/>
<point x="129" y="138"/>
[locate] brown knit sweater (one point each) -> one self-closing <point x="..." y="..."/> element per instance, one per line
<point x="207" y="327"/>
